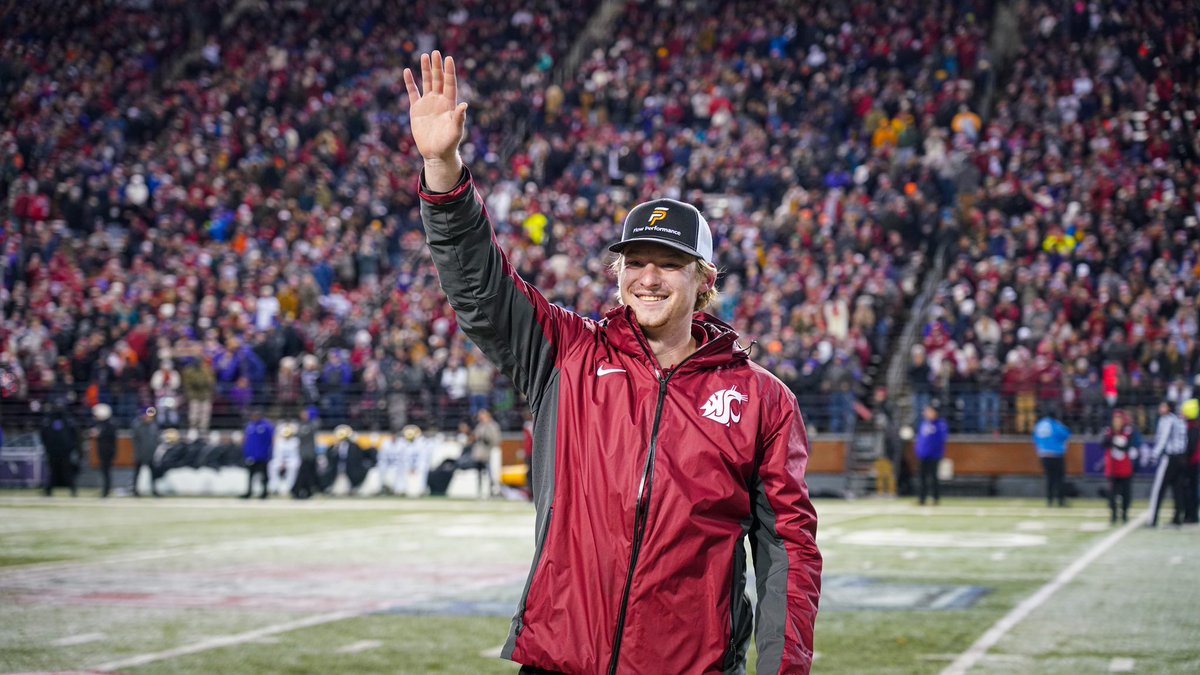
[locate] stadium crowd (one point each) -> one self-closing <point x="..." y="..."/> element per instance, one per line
<point x="197" y="240"/>
<point x="1075" y="286"/>
<point x="238" y="226"/>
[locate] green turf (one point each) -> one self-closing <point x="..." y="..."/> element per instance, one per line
<point x="1098" y="619"/>
<point x="407" y="645"/>
<point x="425" y="586"/>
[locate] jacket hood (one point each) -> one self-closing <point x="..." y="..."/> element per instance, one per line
<point x="718" y="340"/>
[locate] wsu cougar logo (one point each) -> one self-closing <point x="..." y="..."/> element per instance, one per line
<point x="719" y="407"/>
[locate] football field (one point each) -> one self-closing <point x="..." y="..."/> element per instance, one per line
<point x="389" y="585"/>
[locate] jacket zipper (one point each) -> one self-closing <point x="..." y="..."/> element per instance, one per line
<point x="642" y="513"/>
<point x="639" y="524"/>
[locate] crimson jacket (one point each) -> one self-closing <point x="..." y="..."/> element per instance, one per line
<point x="646" y="482"/>
<point x="1120" y="449"/>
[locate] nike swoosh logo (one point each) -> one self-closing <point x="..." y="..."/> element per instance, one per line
<point x="602" y="371"/>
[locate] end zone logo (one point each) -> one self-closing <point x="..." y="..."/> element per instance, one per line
<point x="719" y="407"/>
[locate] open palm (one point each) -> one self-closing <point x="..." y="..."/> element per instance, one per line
<point x="436" y="116"/>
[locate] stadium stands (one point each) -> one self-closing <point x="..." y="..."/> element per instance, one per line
<point x="230" y="198"/>
<point x="1075" y="286"/>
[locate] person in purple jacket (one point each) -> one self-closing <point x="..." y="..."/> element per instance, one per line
<point x="257" y="449"/>
<point x="930" y="447"/>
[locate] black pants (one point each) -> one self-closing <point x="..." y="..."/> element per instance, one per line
<point x="1123" y="488"/>
<point x="530" y="670"/>
<point x="106" y="474"/>
<point x="1175" y="479"/>
<point x="306" y="480"/>
<point x="259" y="468"/>
<point x="62" y="474"/>
<point x="929" y="481"/>
<point x="1191" y="484"/>
<point x="1055" y="469"/>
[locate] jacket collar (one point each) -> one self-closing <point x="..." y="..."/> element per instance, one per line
<point x="717" y="339"/>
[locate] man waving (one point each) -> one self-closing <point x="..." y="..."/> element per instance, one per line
<point x="658" y="445"/>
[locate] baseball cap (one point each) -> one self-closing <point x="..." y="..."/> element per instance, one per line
<point x="670" y="223"/>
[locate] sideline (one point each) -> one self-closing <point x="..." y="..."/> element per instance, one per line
<point x="1016" y="615"/>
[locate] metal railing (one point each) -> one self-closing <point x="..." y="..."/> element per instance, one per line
<point x="972" y="409"/>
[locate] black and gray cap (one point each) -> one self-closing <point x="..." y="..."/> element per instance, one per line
<point x="668" y="222"/>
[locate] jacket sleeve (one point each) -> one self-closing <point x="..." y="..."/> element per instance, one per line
<point x="507" y="318"/>
<point x="783" y="538"/>
<point x="1161" y="433"/>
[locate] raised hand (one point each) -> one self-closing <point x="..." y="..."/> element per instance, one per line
<point x="437" y="119"/>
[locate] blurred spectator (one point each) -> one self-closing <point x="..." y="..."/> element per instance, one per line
<point x="453" y="380"/>
<point x="288" y="388"/>
<point x="105" y="434"/>
<point x="199" y="384"/>
<point x="60" y="437"/>
<point x="930" y="448"/>
<point x="347" y="463"/>
<point x="166" y="386"/>
<point x="284" y="466"/>
<point x="485" y="437"/>
<point x="919" y="383"/>
<point x="145" y="436"/>
<point x="1050" y="437"/>
<point x="258" y="449"/>
<point x="481" y="377"/>
<point x="307" y="481"/>
<point x="1122" y="443"/>
<point x="889" y="448"/>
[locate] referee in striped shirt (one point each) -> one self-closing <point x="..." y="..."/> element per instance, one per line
<point x="1170" y="443"/>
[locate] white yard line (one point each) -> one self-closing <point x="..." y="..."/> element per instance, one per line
<point x="72" y="640"/>
<point x="1018" y="614"/>
<point x="22" y="573"/>
<point x="1121" y="665"/>
<point x="311" y="541"/>
<point x="229" y="640"/>
<point x="280" y="628"/>
<point x="493" y="653"/>
<point x="360" y="646"/>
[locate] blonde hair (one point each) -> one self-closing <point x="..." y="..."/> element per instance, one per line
<point x="703" y="270"/>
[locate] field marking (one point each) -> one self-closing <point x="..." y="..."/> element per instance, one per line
<point x="1121" y="664"/>
<point x="25" y="573"/>
<point x="231" y="640"/>
<point x="18" y="573"/>
<point x="82" y="639"/>
<point x="941" y="577"/>
<point x="940" y="539"/>
<point x="1019" y="613"/>
<point x="991" y="658"/>
<point x="843" y="513"/>
<point x="360" y="646"/>
<point x="279" y="628"/>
